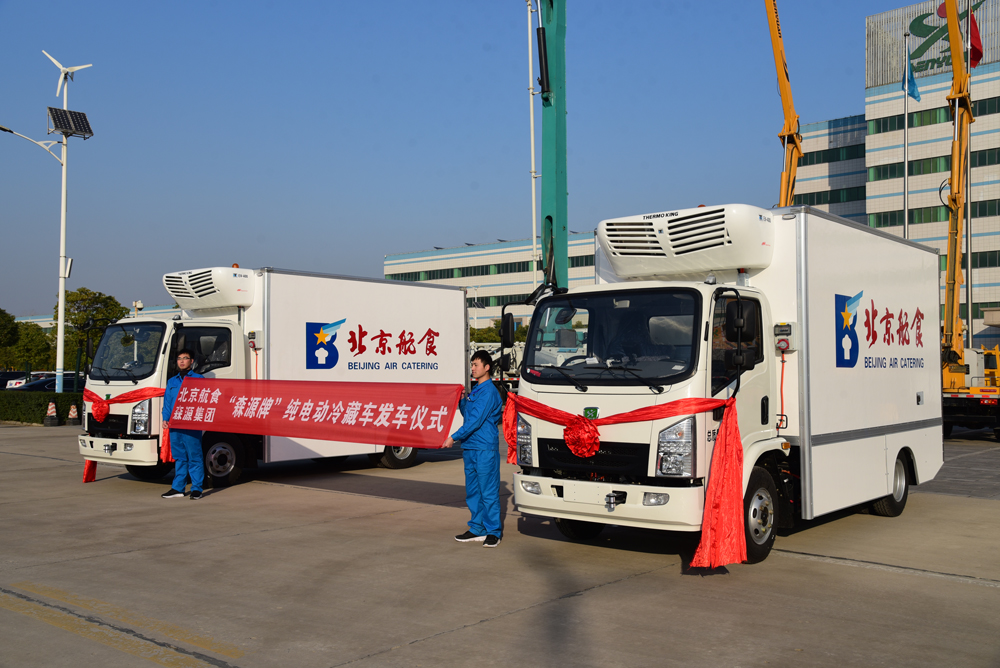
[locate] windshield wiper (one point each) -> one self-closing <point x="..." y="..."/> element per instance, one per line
<point x="580" y="386"/>
<point x="131" y="376"/>
<point x="107" y="379"/>
<point x="653" y="386"/>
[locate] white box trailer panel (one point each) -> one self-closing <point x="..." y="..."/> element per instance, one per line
<point x="865" y="379"/>
<point x="336" y="328"/>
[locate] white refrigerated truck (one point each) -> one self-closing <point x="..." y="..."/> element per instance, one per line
<point x="838" y="397"/>
<point x="262" y="324"/>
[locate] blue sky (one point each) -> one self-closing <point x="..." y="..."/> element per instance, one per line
<point x="322" y="136"/>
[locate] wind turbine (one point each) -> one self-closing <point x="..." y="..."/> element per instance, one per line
<point x="64" y="74"/>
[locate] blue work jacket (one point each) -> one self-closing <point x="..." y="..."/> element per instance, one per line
<point x="170" y="396"/>
<point x="482" y="411"/>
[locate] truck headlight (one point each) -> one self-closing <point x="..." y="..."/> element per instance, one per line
<point x="140" y="417"/>
<point x="675" y="450"/>
<point x="524" y="454"/>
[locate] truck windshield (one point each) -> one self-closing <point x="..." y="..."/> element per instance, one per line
<point x="614" y="338"/>
<point x="128" y="351"/>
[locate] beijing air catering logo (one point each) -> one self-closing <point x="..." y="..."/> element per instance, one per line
<point x="846" y="319"/>
<point x="320" y="351"/>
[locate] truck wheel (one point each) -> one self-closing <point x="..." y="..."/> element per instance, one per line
<point x="578" y="529"/>
<point x="395" y="458"/>
<point x="759" y="510"/>
<point x="892" y="505"/>
<point x="223" y="461"/>
<point x="155" y="472"/>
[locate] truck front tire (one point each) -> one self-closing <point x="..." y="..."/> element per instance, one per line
<point x="892" y="505"/>
<point x="759" y="508"/>
<point x="395" y="458"/>
<point x="223" y="460"/>
<point x="578" y="529"/>
<point x="155" y="472"/>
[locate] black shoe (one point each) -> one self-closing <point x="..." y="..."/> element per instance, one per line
<point x="195" y="494"/>
<point x="172" y="494"/>
<point x="492" y="541"/>
<point x="469" y="537"/>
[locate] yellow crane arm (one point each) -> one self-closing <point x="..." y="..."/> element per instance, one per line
<point x="790" y="138"/>
<point x="952" y="344"/>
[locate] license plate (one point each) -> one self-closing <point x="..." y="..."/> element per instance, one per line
<point x="592" y="494"/>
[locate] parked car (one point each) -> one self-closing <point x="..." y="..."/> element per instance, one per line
<point x="49" y="384"/>
<point x="17" y="379"/>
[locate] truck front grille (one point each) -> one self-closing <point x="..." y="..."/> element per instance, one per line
<point x="615" y="459"/>
<point x="114" y="426"/>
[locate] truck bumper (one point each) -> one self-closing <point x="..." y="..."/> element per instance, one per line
<point x="125" y="451"/>
<point x="970" y="411"/>
<point x="584" y="500"/>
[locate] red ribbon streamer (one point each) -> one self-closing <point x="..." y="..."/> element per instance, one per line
<point x="101" y="407"/>
<point x="722" y="536"/>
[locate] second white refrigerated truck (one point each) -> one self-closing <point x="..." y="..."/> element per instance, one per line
<point x="262" y="324"/>
<point x="837" y="362"/>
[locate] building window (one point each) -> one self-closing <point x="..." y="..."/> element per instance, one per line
<point x="930" y="165"/>
<point x="887" y="124"/>
<point x="985" y="208"/>
<point x="581" y="261"/>
<point x="929" y="214"/>
<point x="885" y="219"/>
<point x="408" y="276"/>
<point x="514" y="267"/>
<point x="507" y="299"/>
<point x="984" y="158"/>
<point x="440" y="274"/>
<point x="883" y="172"/>
<point x="985" y="107"/>
<point x="855" y="194"/>
<point x="479" y="270"/>
<point x="919" y="119"/>
<point x="832" y="155"/>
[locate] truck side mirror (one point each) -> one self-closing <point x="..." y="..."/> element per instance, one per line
<point x="507" y="330"/>
<point x="90" y="347"/>
<point x="744" y="360"/>
<point x="734" y="323"/>
<point x="504" y="362"/>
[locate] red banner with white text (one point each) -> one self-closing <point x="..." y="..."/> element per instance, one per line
<point x="390" y="414"/>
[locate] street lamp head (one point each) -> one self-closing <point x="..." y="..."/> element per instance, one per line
<point x="70" y="123"/>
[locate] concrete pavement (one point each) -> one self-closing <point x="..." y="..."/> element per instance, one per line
<point x="308" y="565"/>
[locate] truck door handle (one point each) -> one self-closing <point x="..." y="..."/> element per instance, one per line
<point x="764" y="413"/>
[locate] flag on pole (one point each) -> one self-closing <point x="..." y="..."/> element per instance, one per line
<point x="976" y="50"/>
<point x="910" y="81"/>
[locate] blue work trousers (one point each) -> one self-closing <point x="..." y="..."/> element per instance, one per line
<point x="185" y="446"/>
<point x="482" y="490"/>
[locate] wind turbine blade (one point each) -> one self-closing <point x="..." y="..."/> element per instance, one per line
<point x="62" y="78"/>
<point x="78" y="67"/>
<point x="56" y="62"/>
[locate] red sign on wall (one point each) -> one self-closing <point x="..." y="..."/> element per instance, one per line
<point x="389" y="414"/>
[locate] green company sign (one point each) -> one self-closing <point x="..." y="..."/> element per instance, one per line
<point x="933" y="34"/>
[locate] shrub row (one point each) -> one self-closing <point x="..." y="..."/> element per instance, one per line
<point x="32" y="406"/>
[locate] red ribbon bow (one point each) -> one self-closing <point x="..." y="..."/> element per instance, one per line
<point x="101" y="407"/>
<point x="722" y="537"/>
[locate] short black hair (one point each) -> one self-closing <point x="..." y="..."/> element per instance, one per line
<point x="188" y="351"/>
<point x="485" y="358"/>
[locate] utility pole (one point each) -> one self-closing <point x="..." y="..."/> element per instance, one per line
<point x="552" y="64"/>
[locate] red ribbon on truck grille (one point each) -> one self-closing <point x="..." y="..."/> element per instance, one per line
<point x="390" y="414"/>
<point x="101" y="406"/>
<point x="722" y="537"/>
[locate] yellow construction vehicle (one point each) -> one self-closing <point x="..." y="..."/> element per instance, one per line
<point x="965" y="402"/>
<point x="790" y="138"/>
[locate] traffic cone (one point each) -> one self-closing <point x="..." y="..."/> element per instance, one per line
<point x="89" y="471"/>
<point x="51" y="418"/>
<point x="74" y="416"/>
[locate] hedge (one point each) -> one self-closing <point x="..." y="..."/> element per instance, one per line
<point x="20" y="406"/>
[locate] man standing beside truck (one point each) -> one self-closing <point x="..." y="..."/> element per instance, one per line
<point x="185" y="444"/>
<point x="479" y="437"/>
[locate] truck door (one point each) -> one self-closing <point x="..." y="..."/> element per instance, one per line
<point x="753" y="404"/>
<point x="213" y="350"/>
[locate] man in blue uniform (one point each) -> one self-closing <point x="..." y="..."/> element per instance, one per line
<point x="185" y="444"/>
<point x="481" y="452"/>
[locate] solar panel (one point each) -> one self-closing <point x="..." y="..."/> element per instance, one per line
<point x="70" y="123"/>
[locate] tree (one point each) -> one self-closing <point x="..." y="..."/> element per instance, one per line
<point x="8" y="329"/>
<point x="32" y="347"/>
<point x="82" y="305"/>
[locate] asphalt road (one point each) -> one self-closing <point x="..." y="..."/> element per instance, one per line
<point x="319" y="565"/>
